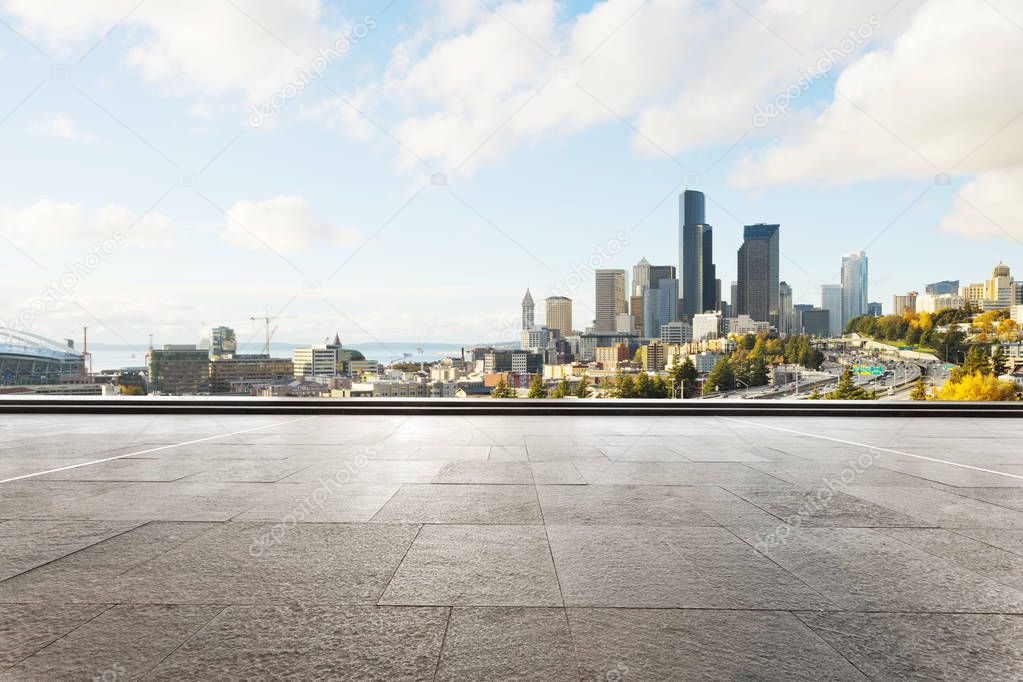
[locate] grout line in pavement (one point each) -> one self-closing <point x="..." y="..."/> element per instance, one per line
<point x="871" y="447"/>
<point x="158" y="449"/>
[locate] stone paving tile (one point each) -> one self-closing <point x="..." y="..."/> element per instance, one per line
<point x="371" y="471"/>
<point x="620" y="505"/>
<point x="485" y="472"/>
<point x="940" y="508"/>
<point x="85" y="576"/>
<point x="320" y="502"/>
<point x="461" y="504"/>
<point x="629" y="566"/>
<point x="676" y="473"/>
<point x="312" y="643"/>
<point x="251" y="563"/>
<point x="27" y="628"/>
<point x="35" y="499"/>
<point x="122" y="643"/>
<point x="507" y="643"/>
<point x="669" y="644"/>
<point x="925" y="646"/>
<point x="553" y="473"/>
<point x="1009" y="540"/>
<point x="173" y="501"/>
<point x="823" y="506"/>
<point x="862" y="569"/>
<point x="476" y="566"/>
<point x="973" y="555"/>
<point x="131" y="469"/>
<point x="27" y="544"/>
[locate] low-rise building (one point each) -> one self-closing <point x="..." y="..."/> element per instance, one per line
<point x="178" y="369"/>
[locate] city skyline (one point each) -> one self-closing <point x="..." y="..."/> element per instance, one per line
<point x="318" y="215"/>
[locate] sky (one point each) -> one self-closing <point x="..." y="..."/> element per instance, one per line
<point x="403" y="170"/>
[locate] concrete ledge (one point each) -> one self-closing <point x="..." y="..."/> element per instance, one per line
<point x="417" y="406"/>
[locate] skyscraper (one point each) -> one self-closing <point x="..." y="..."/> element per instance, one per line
<point x="528" y="311"/>
<point x="660" y="300"/>
<point x="758" y="266"/>
<point x="695" y="255"/>
<point x="558" y="311"/>
<point x="854" y="286"/>
<point x="223" y="342"/>
<point x="610" y="298"/>
<point x="831" y="300"/>
<point x="785" y="322"/>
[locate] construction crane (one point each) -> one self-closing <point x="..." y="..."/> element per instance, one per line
<point x="267" y="318"/>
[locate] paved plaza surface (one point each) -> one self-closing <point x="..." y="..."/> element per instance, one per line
<point x="485" y="548"/>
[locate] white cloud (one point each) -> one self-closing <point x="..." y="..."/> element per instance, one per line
<point x="62" y="127"/>
<point x="989" y="206"/>
<point x="930" y="104"/>
<point x="188" y="45"/>
<point x="687" y="73"/>
<point x="48" y="224"/>
<point x="283" y="224"/>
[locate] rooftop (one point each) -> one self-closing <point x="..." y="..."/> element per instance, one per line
<point x="488" y="547"/>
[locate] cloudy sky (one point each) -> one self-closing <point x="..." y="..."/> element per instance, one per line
<point x="402" y="170"/>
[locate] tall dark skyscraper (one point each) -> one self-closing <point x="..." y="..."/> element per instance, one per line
<point x="695" y="256"/>
<point x="757" y="293"/>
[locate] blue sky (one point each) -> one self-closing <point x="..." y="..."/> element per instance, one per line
<point x="329" y="214"/>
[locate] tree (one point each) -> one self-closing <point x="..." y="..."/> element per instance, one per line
<point x="977" y="386"/>
<point x="536" y="387"/>
<point x="977" y="360"/>
<point x="758" y="372"/>
<point x="644" y="387"/>
<point x="720" y="378"/>
<point x="502" y="390"/>
<point x="683" y="378"/>
<point x="562" y="389"/>
<point x="999" y="365"/>
<point x="816" y="394"/>
<point x="848" y="390"/>
<point x="582" y="389"/>
<point x="919" y="390"/>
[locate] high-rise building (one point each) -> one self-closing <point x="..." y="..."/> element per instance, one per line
<point x="759" y="260"/>
<point x="610" y="299"/>
<point x="831" y="300"/>
<point x="178" y="370"/>
<point x="785" y="308"/>
<point x="797" y="316"/>
<point x="528" y="311"/>
<point x="696" y="255"/>
<point x="223" y="343"/>
<point x="904" y="304"/>
<point x="817" y="322"/>
<point x="558" y="312"/>
<point x="854" y="286"/>
<point x="660" y="305"/>
<point x="948" y="286"/>
<point x="875" y="309"/>
<point x="1000" y="291"/>
<point x="640" y="277"/>
<point x="707" y="326"/>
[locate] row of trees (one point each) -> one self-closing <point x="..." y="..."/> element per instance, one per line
<point x="562" y="389"/>
<point x="915" y="329"/>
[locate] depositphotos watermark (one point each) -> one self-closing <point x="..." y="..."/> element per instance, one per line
<point x="822" y="68"/>
<point x="818" y="501"/>
<point x="312" y="71"/>
<point x="583" y="272"/>
<point x="310" y="503"/>
<point x="63" y="286"/>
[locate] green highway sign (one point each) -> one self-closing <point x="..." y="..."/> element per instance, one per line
<point x="905" y="347"/>
<point x="873" y="370"/>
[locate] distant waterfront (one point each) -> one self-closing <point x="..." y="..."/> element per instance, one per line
<point x="116" y="357"/>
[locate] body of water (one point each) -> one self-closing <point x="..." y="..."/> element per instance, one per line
<point x="386" y="353"/>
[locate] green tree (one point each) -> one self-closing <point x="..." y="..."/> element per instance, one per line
<point x="999" y="365"/>
<point x="848" y="390"/>
<point x="816" y="394"/>
<point x="758" y="375"/>
<point x="502" y="390"/>
<point x="683" y="378"/>
<point x="562" y="389"/>
<point x="720" y="378"/>
<point x="644" y="387"/>
<point x="536" y="387"/>
<point x="582" y="389"/>
<point x="919" y="390"/>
